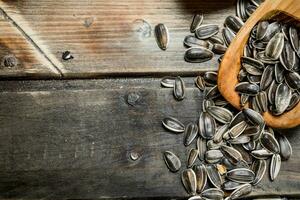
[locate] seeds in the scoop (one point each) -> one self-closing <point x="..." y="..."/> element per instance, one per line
<point x="261" y="154"/>
<point x="214" y="176"/>
<point x="288" y="57"/>
<point x="241" y="191"/>
<point x="253" y="62"/>
<point x="262" y="101"/>
<point x="206" y="31"/>
<point x="269" y="142"/>
<point x="237" y="129"/>
<point x="201" y="176"/>
<point x="162" y="36"/>
<point x="173" y="124"/>
<point x="231" y="154"/>
<point x="216" y="40"/>
<point x="233" y="23"/>
<point x="252" y="70"/>
<point x="192" y="41"/>
<point x="219" y="48"/>
<point x="275" y="46"/>
<point x="198" y="55"/>
<point x="261" y="29"/>
<point x="279" y="73"/>
<point x="230" y="185"/>
<point x="221" y="114"/>
<point x="172" y="161"/>
<point x="283" y="97"/>
<point x="168" y="81"/>
<point x="285" y="147"/>
<point x="191" y="132"/>
<point x="213" y="156"/>
<point x="275" y="166"/>
<point x="241" y="175"/>
<point x="293" y="80"/>
<point x="207" y="126"/>
<point x="199" y="81"/>
<point x="213" y="193"/>
<point x="228" y="36"/>
<point x="294" y="101"/>
<point x="253" y="116"/>
<point x="210" y="78"/>
<point x="189" y="180"/>
<point x="179" y="88"/>
<point x="201" y="146"/>
<point x="272" y="91"/>
<point x="265" y="59"/>
<point x="259" y="167"/>
<point x="294" y="38"/>
<point x="197" y="21"/>
<point x="267" y="77"/>
<point x="220" y="132"/>
<point x="242" y="139"/>
<point x="247" y="88"/>
<point x="193" y="153"/>
<point x="272" y="29"/>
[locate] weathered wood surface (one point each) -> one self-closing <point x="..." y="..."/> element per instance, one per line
<point x="112" y="37"/>
<point x="72" y="140"/>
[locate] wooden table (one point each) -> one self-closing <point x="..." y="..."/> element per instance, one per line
<point x="72" y="139"/>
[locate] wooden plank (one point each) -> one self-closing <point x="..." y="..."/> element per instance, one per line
<point x="72" y="140"/>
<point x="30" y="62"/>
<point x="111" y="37"/>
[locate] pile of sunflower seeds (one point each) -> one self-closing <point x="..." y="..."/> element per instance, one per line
<point x="269" y="76"/>
<point x="232" y="147"/>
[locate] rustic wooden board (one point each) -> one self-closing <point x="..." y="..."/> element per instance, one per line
<point x="72" y="140"/>
<point x="31" y="63"/>
<point x="111" y="37"/>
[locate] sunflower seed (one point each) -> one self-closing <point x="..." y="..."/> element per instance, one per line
<point x="191" y="132"/>
<point x="207" y="103"/>
<point x="212" y="145"/>
<point x="201" y="176"/>
<point x="262" y="101"/>
<point x="275" y="166"/>
<point x="237" y="119"/>
<point x="195" y="198"/>
<point x="168" y="81"/>
<point x="213" y="193"/>
<point x="285" y="147"/>
<point x="279" y="73"/>
<point x="233" y="23"/>
<point x="214" y="176"/>
<point x="207" y="126"/>
<point x="221" y="114"/>
<point x="210" y="78"/>
<point x="220" y="132"/>
<point x="213" y="156"/>
<point x="250" y="9"/>
<point x="257" y="2"/>
<point x="253" y="62"/>
<point x="241" y="191"/>
<point x="193" y="153"/>
<point x="172" y="161"/>
<point x="243" y="139"/>
<point x="261" y="29"/>
<point x="219" y="48"/>
<point x="231" y="154"/>
<point x="228" y="36"/>
<point x="247" y="88"/>
<point x="198" y="55"/>
<point x="263" y="58"/>
<point x="246" y="156"/>
<point x="199" y="81"/>
<point x="189" y="180"/>
<point x="269" y="142"/>
<point x="162" y="36"/>
<point x="259" y="45"/>
<point x="192" y="41"/>
<point x="201" y="146"/>
<point x="237" y="129"/>
<point x="294" y="38"/>
<point x="216" y="40"/>
<point x="173" y="124"/>
<point x="197" y="21"/>
<point x="259" y="167"/>
<point x="288" y="57"/>
<point x="261" y="154"/>
<point x="294" y="101"/>
<point x="293" y="80"/>
<point x="272" y="29"/>
<point x="271" y="92"/>
<point x="231" y="185"/>
<point x="179" y="89"/>
<point x="241" y="9"/>
<point x="250" y="146"/>
<point x="244" y="99"/>
<point x="206" y="31"/>
<point x="283" y="97"/>
<point x="252" y="131"/>
<point x="267" y="77"/>
<point x="254" y="117"/>
<point x="275" y="46"/>
<point x="241" y="175"/>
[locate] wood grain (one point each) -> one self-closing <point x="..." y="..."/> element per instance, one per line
<point x="111" y="37"/>
<point x="72" y="140"/>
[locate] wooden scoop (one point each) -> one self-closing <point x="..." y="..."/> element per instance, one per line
<point x="230" y="66"/>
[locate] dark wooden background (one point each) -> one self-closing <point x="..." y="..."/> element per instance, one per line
<point x="71" y="139"/>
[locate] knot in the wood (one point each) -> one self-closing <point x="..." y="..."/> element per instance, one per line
<point x="142" y="28"/>
<point x="134" y="155"/>
<point x="9" y="61"/>
<point x="133" y="98"/>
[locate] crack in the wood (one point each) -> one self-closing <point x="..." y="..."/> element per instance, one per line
<point x="31" y="41"/>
